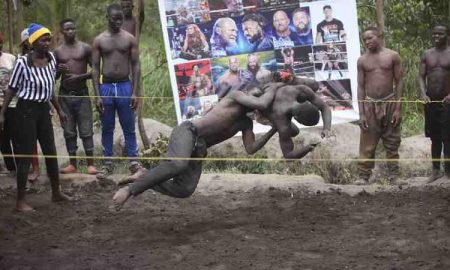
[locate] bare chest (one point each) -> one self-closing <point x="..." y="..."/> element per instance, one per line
<point x="67" y="55"/>
<point x="378" y="64"/>
<point x="115" y="45"/>
<point x="439" y="60"/>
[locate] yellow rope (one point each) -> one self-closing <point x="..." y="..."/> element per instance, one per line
<point x="231" y="159"/>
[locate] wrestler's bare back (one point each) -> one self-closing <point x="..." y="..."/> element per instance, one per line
<point x="379" y="72"/>
<point x="223" y="122"/>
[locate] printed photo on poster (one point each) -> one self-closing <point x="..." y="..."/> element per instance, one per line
<point x="240" y="35"/>
<point x="190" y="42"/>
<point x="266" y="5"/>
<point x="233" y="73"/>
<point x="194" y="79"/>
<point x="231" y="8"/>
<point x="298" y="60"/>
<point x="192" y="108"/>
<point x="336" y="94"/>
<point x="327" y="20"/>
<point x="257" y="30"/>
<point x="331" y="61"/>
<point x="182" y="12"/>
<point x="289" y="27"/>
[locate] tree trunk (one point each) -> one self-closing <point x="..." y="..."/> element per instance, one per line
<point x="141" y="127"/>
<point x="10" y="25"/>
<point x="19" y="18"/>
<point x="380" y="19"/>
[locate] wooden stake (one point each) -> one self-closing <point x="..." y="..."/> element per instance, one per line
<point x="380" y="19"/>
<point x="10" y="26"/>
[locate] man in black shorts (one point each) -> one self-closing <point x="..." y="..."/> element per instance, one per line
<point x="434" y="83"/>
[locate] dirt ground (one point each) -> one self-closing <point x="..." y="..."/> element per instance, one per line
<point x="264" y="227"/>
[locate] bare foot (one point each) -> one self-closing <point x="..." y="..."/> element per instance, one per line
<point x="132" y="178"/>
<point x="34" y="176"/>
<point x="92" y="170"/>
<point x="22" y="206"/>
<point x="69" y="169"/>
<point x="61" y="197"/>
<point x="121" y="197"/>
<point x="435" y="175"/>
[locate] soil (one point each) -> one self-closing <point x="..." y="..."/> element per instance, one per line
<point x="260" y="227"/>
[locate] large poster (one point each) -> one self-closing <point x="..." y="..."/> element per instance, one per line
<point x="210" y="43"/>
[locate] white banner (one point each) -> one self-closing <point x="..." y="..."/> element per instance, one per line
<point x="215" y="43"/>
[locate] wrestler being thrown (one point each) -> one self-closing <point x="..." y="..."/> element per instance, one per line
<point x="179" y="176"/>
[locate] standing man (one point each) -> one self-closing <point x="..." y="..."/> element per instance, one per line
<point x="130" y="22"/>
<point x="7" y="62"/>
<point x="73" y="58"/>
<point x="118" y="52"/>
<point x="33" y="81"/>
<point x="379" y="106"/>
<point x="330" y="29"/>
<point x="434" y="84"/>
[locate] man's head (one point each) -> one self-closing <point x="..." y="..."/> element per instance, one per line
<point x="253" y="25"/>
<point x="328" y="12"/>
<point x="440" y="34"/>
<point x="281" y="21"/>
<point x="253" y="61"/>
<point x="196" y="69"/>
<point x="127" y="7"/>
<point x="114" y="14"/>
<point x="234" y="5"/>
<point x="226" y="29"/>
<point x="39" y="37"/>
<point x="371" y="38"/>
<point x="307" y="114"/>
<point x="301" y="20"/>
<point x="68" y="29"/>
<point x="233" y="64"/>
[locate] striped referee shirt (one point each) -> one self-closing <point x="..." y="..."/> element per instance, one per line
<point x="31" y="82"/>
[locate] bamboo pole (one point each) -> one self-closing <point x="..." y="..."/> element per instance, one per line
<point x="141" y="126"/>
<point x="10" y="26"/>
<point x="380" y="19"/>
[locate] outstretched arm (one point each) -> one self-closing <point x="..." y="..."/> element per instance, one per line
<point x="309" y="95"/>
<point x="251" y="145"/>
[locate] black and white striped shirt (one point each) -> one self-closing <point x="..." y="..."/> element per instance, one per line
<point x="33" y="83"/>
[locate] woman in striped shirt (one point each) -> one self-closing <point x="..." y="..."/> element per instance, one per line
<point x="33" y="82"/>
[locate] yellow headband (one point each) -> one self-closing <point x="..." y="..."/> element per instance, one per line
<point x="39" y="33"/>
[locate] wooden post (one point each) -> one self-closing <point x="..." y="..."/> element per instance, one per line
<point x="141" y="126"/>
<point x="380" y="19"/>
<point x="10" y="26"/>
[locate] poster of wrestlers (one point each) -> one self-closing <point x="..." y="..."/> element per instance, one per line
<point x="183" y="12"/>
<point x="217" y="46"/>
<point x="234" y="72"/>
<point x="231" y="8"/>
<point x="190" y="42"/>
<point x="264" y="5"/>
<point x="194" y="79"/>
<point x="297" y="60"/>
<point x="289" y="27"/>
<point x="330" y="61"/>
